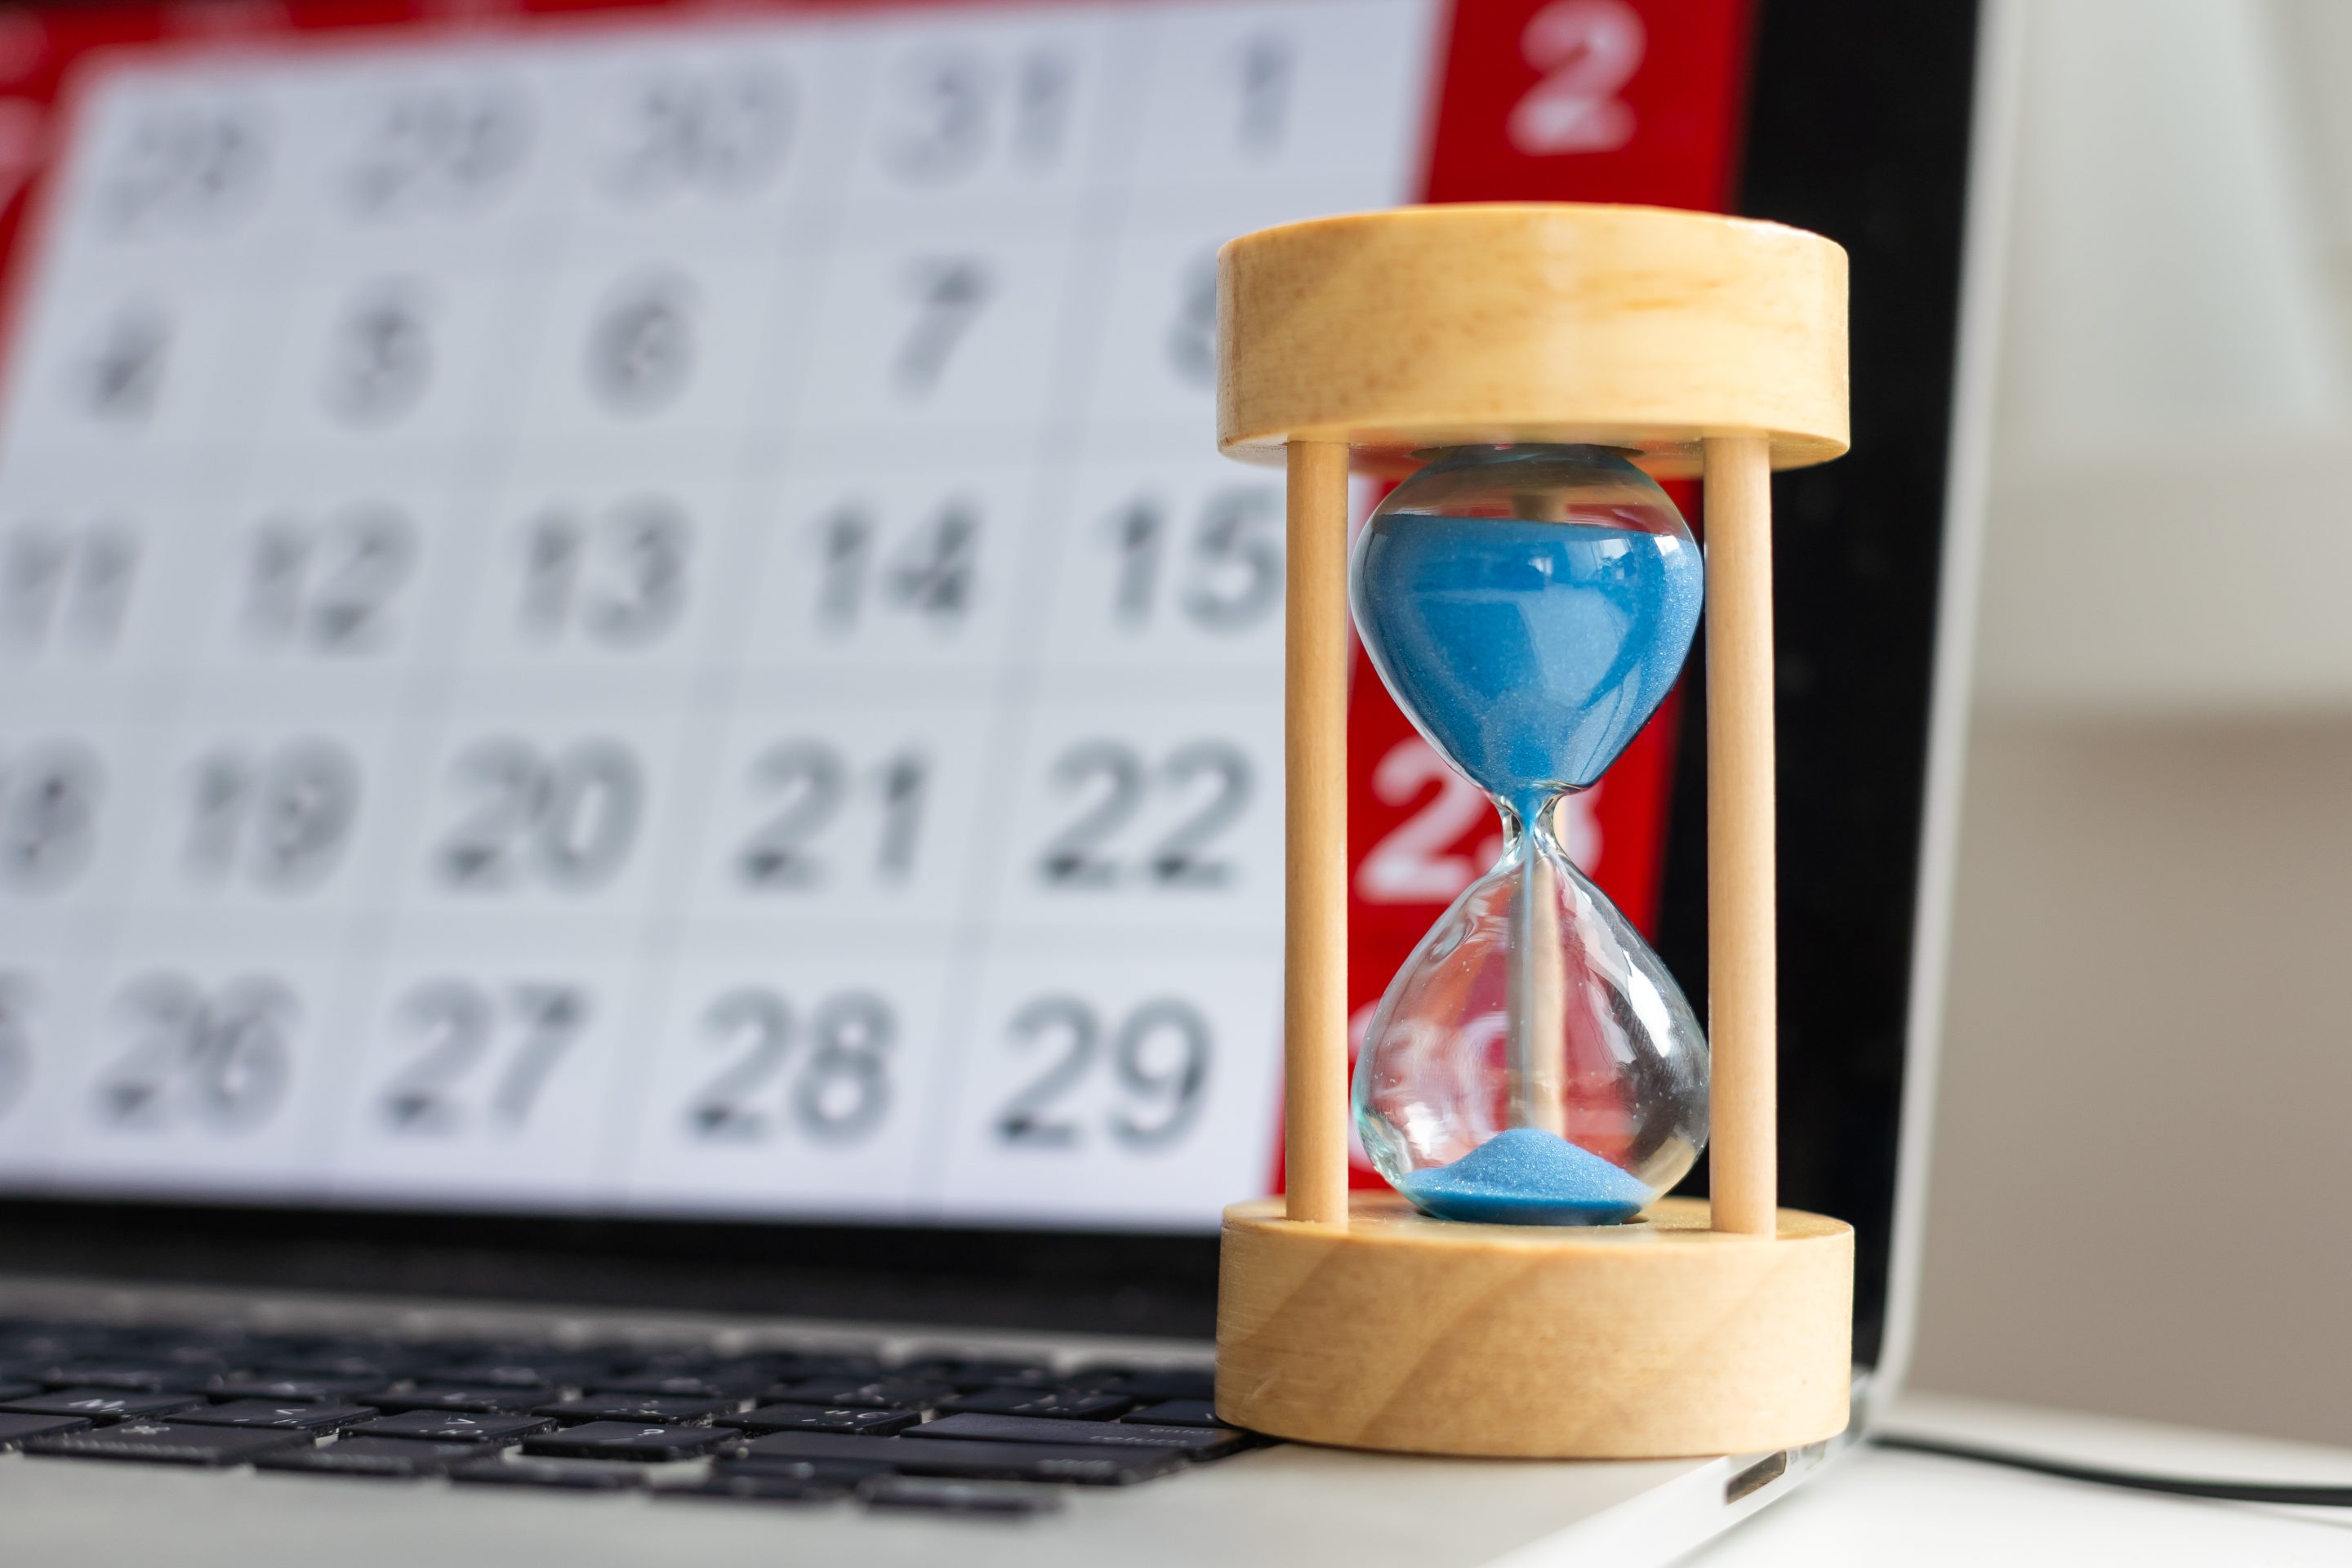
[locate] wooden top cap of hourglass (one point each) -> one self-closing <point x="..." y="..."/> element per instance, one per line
<point x="1438" y="326"/>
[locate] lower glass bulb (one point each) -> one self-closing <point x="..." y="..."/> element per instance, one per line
<point x="1533" y="1062"/>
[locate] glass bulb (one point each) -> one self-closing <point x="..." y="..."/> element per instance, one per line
<point x="1533" y="1062"/>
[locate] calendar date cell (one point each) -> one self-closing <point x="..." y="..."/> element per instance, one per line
<point x="176" y="168"/>
<point x="793" y="1074"/>
<point x="1166" y="816"/>
<point x="52" y="790"/>
<point x="77" y="801"/>
<point x="379" y="359"/>
<point x="559" y="818"/>
<point x="477" y="1053"/>
<point x="601" y="565"/>
<point x="439" y="148"/>
<point x="824" y="1075"/>
<point x="1166" y="570"/>
<point x="532" y="815"/>
<point x="214" y="1058"/>
<point x="488" y="1069"/>
<point x="276" y="819"/>
<point x="716" y="128"/>
<point x="121" y="378"/>
<point x="908" y="572"/>
<point x="20" y="1008"/>
<point x="994" y="111"/>
<point x="126" y="370"/>
<point x="329" y="584"/>
<point x="65" y="589"/>
<point x="944" y="335"/>
<point x="53" y="1024"/>
<point x="618" y="578"/>
<point x="810" y="783"/>
<point x="1145" y="1083"/>
<point x="1158" y="1058"/>
<point x="637" y="344"/>
<point x="837" y="815"/>
<point x="1117" y="781"/>
<point x="1258" y="96"/>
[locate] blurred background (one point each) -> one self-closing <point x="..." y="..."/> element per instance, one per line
<point x="2140" y="1152"/>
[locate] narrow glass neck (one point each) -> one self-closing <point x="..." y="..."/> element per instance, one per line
<point x="1535" y="814"/>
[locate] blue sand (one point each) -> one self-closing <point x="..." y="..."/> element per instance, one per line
<point x="1527" y="1176"/>
<point x="1529" y="652"/>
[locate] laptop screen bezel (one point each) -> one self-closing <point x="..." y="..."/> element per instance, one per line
<point x="1859" y="128"/>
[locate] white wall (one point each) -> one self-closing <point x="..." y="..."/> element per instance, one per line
<point x="2141" y="1199"/>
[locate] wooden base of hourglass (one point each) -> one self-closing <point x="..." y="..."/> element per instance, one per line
<point x="1658" y="1340"/>
<point x="1695" y="342"/>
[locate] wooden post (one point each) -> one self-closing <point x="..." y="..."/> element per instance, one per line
<point x="1742" y="944"/>
<point x="1315" y="868"/>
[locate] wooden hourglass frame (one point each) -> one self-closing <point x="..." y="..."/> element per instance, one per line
<point x="1704" y="345"/>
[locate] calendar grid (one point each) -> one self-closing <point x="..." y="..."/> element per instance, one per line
<point x="675" y="641"/>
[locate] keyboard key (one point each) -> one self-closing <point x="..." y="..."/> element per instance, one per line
<point x="1195" y="1442"/>
<point x="1151" y="1385"/>
<point x="799" y="1367"/>
<point x="569" y="1474"/>
<point x="1056" y="1403"/>
<point x="525" y="1372"/>
<point x="15" y="1428"/>
<point x="1090" y="1465"/>
<point x="644" y="1409"/>
<point x="477" y="1399"/>
<point x="969" y="1374"/>
<point x="873" y="1394"/>
<point x="104" y="1405"/>
<point x="262" y="1350"/>
<point x="669" y="1361"/>
<point x="454" y="1427"/>
<point x="843" y="1473"/>
<point x="166" y="1444"/>
<point x="290" y="1417"/>
<point x="631" y="1440"/>
<point x="756" y="1487"/>
<point x="717" y="1383"/>
<point x="291" y="1389"/>
<point x="137" y="1376"/>
<point x="176" y="1348"/>
<point x="963" y="1496"/>
<point x="1178" y="1412"/>
<point x="374" y="1368"/>
<point x="48" y="1343"/>
<point x="821" y="1418"/>
<point x="388" y="1457"/>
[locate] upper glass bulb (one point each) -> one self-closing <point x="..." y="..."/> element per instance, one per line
<point x="1533" y="1062"/>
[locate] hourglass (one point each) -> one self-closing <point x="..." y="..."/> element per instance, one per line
<point x="1534" y="1079"/>
<point x="1533" y="1062"/>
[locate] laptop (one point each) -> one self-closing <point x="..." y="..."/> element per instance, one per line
<point x="636" y="915"/>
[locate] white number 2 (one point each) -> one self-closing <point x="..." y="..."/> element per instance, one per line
<point x="1416" y="862"/>
<point x="1587" y="49"/>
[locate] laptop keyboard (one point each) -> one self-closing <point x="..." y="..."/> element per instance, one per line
<point x="781" y="1425"/>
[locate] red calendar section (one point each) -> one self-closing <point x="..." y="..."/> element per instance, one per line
<point x="1604" y="100"/>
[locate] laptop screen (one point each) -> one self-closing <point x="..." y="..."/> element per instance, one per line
<point x="630" y="614"/>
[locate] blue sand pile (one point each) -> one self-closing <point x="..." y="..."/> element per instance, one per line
<point x="1529" y="652"/>
<point x="1527" y="1176"/>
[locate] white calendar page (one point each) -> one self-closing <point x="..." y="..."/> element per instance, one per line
<point x="641" y="616"/>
